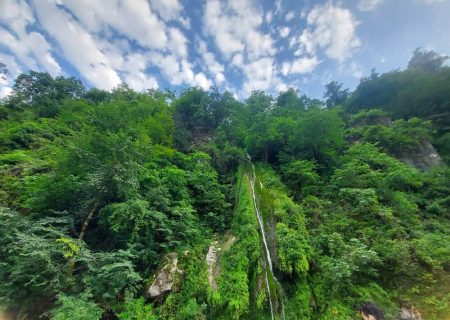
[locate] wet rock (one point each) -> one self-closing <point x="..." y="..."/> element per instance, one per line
<point x="166" y="279"/>
<point x="211" y="261"/>
<point x="424" y="157"/>
<point x="409" y="314"/>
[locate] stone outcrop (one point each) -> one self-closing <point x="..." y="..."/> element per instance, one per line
<point x="424" y="157"/>
<point x="167" y="279"/>
<point x="211" y="261"/>
<point x="213" y="256"/>
<point x="409" y="314"/>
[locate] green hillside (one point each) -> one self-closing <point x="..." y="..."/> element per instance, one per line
<point x="196" y="205"/>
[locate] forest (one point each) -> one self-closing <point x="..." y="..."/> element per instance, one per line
<point x="198" y="205"/>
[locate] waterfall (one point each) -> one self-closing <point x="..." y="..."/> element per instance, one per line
<point x="268" y="259"/>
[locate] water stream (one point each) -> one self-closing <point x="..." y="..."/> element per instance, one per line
<point x="268" y="259"/>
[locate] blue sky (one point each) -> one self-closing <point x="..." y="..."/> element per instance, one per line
<point x="235" y="45"/>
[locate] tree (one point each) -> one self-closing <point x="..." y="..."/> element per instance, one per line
<point x="289" y="103"/>
<point x="137" y="310"/>
<point x="334" y="95"/>
<point x="3" y="71"/>
<point x="43" y="93"/>
<point x="426" y="60"/>
<point x="258" y="102"/>
<point x="318" y="136"/>
<point x="300" y="176"/>
<point x="76" y="308"/>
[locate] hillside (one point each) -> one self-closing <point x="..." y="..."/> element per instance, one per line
<point x="154" y="205"/>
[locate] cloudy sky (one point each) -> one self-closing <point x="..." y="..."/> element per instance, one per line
<point x="236" y="45"/>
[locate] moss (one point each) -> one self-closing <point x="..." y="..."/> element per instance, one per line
<point x="239" y="265"/>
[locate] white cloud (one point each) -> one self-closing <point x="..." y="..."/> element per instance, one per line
<point x="293" y="41"/>
<point x="210" y="63"/>
<point x="5" y="91"/>
<point x="268" y="17"/>
<point x="16" y="15"/>
<point x="432" y="1"/>
<point x="303" y="13"/>
<point x="238" y="60"/>
<point x="241" y="41"/>
<point x="164" y="47"/>
<point x="284" y="31"/>
<point x="133" y="72"/>
<point x="180" y="71"/>
<point x="167" y="9"/>
<point x="229" y="24"/>
<point x="202" y="81"/>
<point x="332" y="29"/>
<point x="87" y="33"/>
<point x="356" y="70"/>
<point x="261" y="75"/>
<point x="78" y="46"/>
<point x="133" y="19"/>
<point x="368" y="5"/>
<point x="289" y="16"/>
<point x="302" y="65"/>
<point x="7" y="80"/>
<point x="278" y="6"/>
<point x="170" y="10"/>
<point x="32" y="49"/>
<point x="178" y="42"/>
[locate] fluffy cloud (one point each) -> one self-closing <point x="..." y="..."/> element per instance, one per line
<point x="261" y="75"/>
<point x="132" y="19"/>
<point x="114" y="41"/>
<point x="180" y="71"/>
<point x="210" y="63"/>
<point x="268" y="17"/>
<point x="232" y="30"/>
<point x="167" y="9"/>
<point x="133" y="71"/>
<point x="241" y="41"/>
<point x="107" y="42"/>
<point x="302" y="65"/>
<point x="368" y="5"/>
<point x="284" y="32"/>
<point x="332" y="29"/>
<point x="177" y="42"/>
<point x="31" y="48"/>
<point x="77" y="45"/>
<point x="289" y="16"/>
<point x="432" y="1"/>
<point x="13" y="71"/>
<point x="170" y="10"/>
<point x="162" y="46"/>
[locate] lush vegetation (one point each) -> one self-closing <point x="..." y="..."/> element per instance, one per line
<point x="98" y="187"/>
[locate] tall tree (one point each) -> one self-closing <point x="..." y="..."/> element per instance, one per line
<point x="3" y="70"/>
<point x="334" y="94"/>
<point x="426" y="60"/>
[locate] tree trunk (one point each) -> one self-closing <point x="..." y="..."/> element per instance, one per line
<point x="86" y="222"/>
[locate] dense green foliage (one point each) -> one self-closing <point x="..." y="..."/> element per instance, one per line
<point x="97" y="188"/>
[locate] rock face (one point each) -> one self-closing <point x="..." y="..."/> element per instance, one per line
<point x="409" y="314"/>
<point x="211" y="261"/>
<point x="424" y="157"/>
<point x="213" y="256"/>
<point x="373" y="120"/>
<point x="166" y="279"/>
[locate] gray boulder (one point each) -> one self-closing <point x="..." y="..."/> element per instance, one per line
<point x="167" y="279"/>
